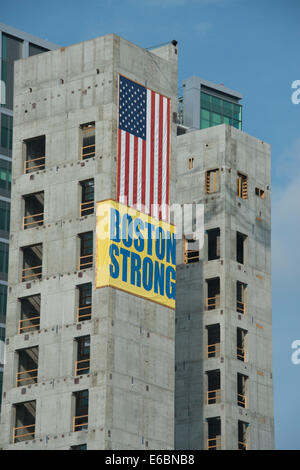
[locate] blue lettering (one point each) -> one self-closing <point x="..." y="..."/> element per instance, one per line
<point x="171" y="248"/>
<point x="139" y="242"/>
<point x="127" y="230"/>
<point x="159" y="277"/>
<point x="136" y="264"/>
<point x="126" y="254"/>
<point x="160" y="246"/>
<point x="115" y="225"/>
<point x="170" y="286"/>
<point x="147" y="273"/>
<point x="114" y="267"/>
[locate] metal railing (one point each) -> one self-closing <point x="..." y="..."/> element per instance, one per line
<point x="19" y="381"/>
<point x="191" y="256"/>
<point x="241" y="307"/>
<point x="82" y="370"/>
<point x="212" y="302"/>
<point x="78" y="426"/>
<point x="213" y="396"/>
<point x="85" y="261"/>
<point x="85" y="207"/>
<point x="214" y="443"/>
<point x="38" y="274"/>
<point x="91" y="153"/>
<point x="35" y="222"/>
<point x="28" y="169"/>
<point x="213" y="350"/>
<point x="243" y="446"/>
<point x="29" y="435"/>
<point x="82" y="316"/>
<point x="25" y="320"/>
<point x="242" y="400"/>
<point x="241" y="354"/>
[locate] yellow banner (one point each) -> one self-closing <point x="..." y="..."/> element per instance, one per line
<point x="135" y="253"/>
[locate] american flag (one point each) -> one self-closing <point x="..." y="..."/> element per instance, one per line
<point x="143" y="149"/>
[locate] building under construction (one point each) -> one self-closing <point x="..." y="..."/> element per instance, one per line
<point x="104" y="368"/>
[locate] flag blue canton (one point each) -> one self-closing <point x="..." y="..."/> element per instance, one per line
<point x="132" y="107"/>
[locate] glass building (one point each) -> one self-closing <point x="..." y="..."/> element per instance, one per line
<point x="205" y="104"/>
<point x="14" y="45"/>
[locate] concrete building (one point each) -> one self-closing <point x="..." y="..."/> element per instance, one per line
<point x="14" y="45"/>
<point x="224" y="383"/>
<point x="85" y="368"/>
<point x="94" y="368"/>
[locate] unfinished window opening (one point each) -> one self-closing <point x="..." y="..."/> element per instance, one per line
<point x="24" y="429"/>
<point x="80" y="420"/>
<point x="32" y="262"/>
<point x="87" y="197"/>
<point x="88" y="149"/>
<point x="243" y="435"/>
<point x="241" y="344"/>
<point x="213" y="341"/>
<point x="242" y="186"/>
<point x="213" y="387"/>
<point x="241" y="297"/>
<point x="34" y="210"/>
<point x="213" y="293"/>
<point x="214" y="433"/>
<point x="28" y="360"/>
<point x="241" y="247"/>
<point x="35" y="154"/>
<point x="191" y="163"/>
<point x="84" y="310"/>
<point x="86" y="250"/>
<point x="212" y="181"/>
<point x="213" y="244"/>
<point x="242" y="384"/>
<point x="191" y="250"/>
<point x="30" y="308"/>
<point x="82" y="365"/>
<point x="79" y="447"/>
<point x="260" y="193"/>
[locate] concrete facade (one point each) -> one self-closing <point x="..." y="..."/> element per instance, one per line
<point x="131" y="377"/>
<point x="231" y="151"/>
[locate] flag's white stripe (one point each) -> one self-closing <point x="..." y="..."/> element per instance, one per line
<point x="139" y="174"/>
<point x="131" y="169"/>
<point x="164" y="155"/>
<point x="156" y="143"/>
<point x="148" y="152"/>
<point x="122" y="169"/>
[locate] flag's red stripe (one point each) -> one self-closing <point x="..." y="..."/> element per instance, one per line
<point x="127" y="147"/>
<point x="160" y="154"/>
<point x="168" y="162"/>
<point x="152" y="150"/>
<point x="135" y="170"/>
<point x="119" y="165"/>
<point x="143" y="196"/>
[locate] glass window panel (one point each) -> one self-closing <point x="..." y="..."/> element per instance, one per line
<point x="205" y="114"/>
<point x="205" y="101"/>
<point x="34" y="49"/>
<point x="216" y="104"/>
<point x="204" y="124"/>
<point x="6" y="131"/>
<point x="237" y="112"/>
<point x="4" y="260"/>
<point x="4" y="216"/>
<point x="3" y="302"/>
<point x="227" y="108"/>
<point x="11" y="51"/>
<point x="216" y="119"/>
<point x="5" y="175"/>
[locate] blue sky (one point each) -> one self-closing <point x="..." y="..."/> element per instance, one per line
<point x="251" y="46"/>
